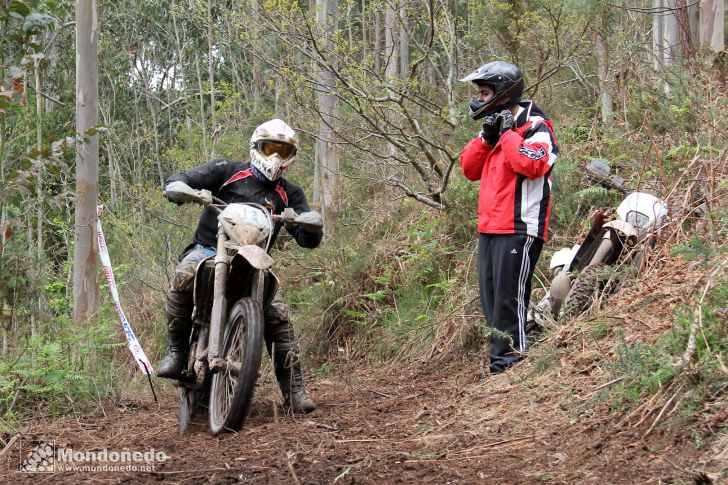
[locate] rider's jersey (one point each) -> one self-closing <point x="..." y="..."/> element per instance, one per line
<point x="514" y="175"/>
<point x="234" y="182"/>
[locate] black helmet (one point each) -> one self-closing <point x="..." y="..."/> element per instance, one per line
<point x="507" y="83"/>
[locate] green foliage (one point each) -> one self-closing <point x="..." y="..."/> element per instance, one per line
<point x="647" y="368"/>
<point x="380" y="297"/>
<point x="695" y="248"/>
<point x="51" y="375"/>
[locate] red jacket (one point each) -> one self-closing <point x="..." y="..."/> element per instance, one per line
<point x="515" y="175"/>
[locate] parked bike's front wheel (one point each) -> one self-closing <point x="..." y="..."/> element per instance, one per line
<point x="231" y="391"/>
<point x="586" y="288"/>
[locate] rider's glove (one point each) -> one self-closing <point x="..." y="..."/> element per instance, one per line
<point x="288" y="216"/>
<point x="205" y="197"/>
<point x="177" y="192"/>
<point x="489" y="133"/>
<point x="181" y="193"/>
<point x="505" y="121"/>
<point x="310" y="221"/>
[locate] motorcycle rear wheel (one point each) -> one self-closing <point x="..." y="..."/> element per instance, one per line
<point x="231" y="394"/>
<point x="191" y="394"/>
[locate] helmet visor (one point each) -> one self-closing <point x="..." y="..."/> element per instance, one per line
<point x="268" y="148"/>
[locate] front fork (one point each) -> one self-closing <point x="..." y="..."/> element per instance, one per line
<point x="218" y="318"/>
<point x="219" y="303"/>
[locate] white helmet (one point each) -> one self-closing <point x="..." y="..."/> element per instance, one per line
<point x="273" y="148"/>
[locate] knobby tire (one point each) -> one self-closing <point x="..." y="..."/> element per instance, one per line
<point x="230" y="397"/>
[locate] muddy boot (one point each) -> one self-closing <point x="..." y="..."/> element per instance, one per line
<point x="291" y="383"/>
<point x="282" y="346"/>
<point x="178" y="344"/>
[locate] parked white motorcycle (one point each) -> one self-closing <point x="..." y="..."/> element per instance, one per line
<point x="581" y="272"/>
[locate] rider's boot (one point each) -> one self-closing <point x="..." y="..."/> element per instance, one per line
<point x="178" y="344"/>
<point x="282" y="346"/>
<point x="288" y="373"/>
<point x="178" y="338"/>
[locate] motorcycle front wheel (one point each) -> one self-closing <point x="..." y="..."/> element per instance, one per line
<point x="592" y="281"/>
<point x="231" y="390"/>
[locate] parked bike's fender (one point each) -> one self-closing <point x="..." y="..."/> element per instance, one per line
<point x="256" y="256"/>
<point x="622" y="227"/>
<point x="563" y="257"/>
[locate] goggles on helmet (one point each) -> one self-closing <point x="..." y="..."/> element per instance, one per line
<point x="267" y="148"/>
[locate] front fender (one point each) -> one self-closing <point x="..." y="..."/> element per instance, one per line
<point x="255" y="256"/>
<point x="622" y="227"/>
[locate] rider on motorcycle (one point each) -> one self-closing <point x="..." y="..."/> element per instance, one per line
<point x="272" y="151"/>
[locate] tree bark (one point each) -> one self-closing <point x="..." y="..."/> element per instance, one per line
<point x="391" y="50"/>
<point x="658" y="36"/>
<point x="211" y="79"/>
<point x="85" y="268"/>
<point x="325" y="152"/>
<point x="202" y="107"/>
<point x="600" y="41"/>
<point x="404" y="52"/>
<point x="711" y="31"/>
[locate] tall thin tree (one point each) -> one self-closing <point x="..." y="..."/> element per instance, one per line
<point x="85" y="267"/>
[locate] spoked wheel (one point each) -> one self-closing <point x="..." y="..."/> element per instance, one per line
<point x="232" y="388"/>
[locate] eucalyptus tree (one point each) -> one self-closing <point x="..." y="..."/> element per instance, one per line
<point x="85" y="270"/>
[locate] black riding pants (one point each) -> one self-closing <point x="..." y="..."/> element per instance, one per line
<point x="505" y="265"/>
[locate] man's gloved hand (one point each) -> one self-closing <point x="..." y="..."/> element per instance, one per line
<point x="178" y="192"/>
<point x="288" y="216"/>
<point x="181" y="193"/>
<point x="505" y="121"/>
<point x="205" y="197"/>
<point x="489" y="133"/>
<point x="310" y="221"/>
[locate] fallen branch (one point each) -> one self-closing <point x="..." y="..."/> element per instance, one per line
<point x="662" y="411"/>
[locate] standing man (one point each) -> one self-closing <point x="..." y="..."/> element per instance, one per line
<point x="512" y="157"/>
<point x="273" y="148"/>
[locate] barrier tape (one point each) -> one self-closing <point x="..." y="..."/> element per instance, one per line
<point x="134" y="346"/>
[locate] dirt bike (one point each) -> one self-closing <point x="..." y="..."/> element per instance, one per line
<point x="583" y="270"/>
<point x="231" y="289"/>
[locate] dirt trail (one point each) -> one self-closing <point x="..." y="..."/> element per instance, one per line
<point x="385" y="425"/>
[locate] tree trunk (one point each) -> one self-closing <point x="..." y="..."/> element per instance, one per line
<point x="378" y="47"/>
<point x="326" y="153"/>
<point x="658" y="38"/>
<point x="711" y="30"/>
<point x="39" y="148"/>
<point x="202" y="107"/>
<point x="670" y="33"/>
<point x="211" y="79"/>
<point x="603" y="67"/>
<point x="85" y="268"/>
<point x="404" y="47"/>
<point x="683" y="21"/>
<point x="391" y="50"/>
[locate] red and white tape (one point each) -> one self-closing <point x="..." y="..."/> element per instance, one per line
<point x="134" y="345"/>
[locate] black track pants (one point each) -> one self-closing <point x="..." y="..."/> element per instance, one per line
<point x="505" y="266"/>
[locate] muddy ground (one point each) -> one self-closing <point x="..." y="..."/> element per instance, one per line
<point x="387" y="425"/>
